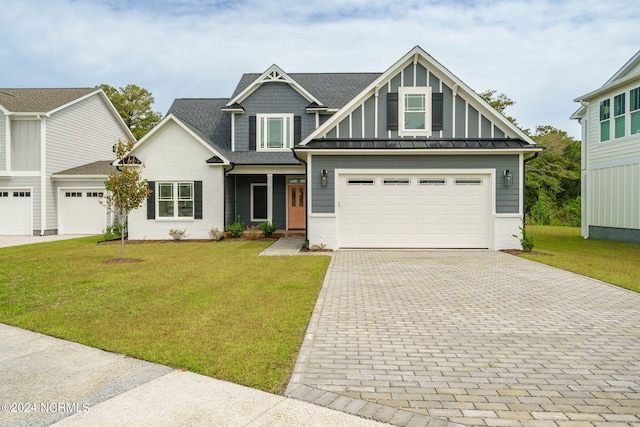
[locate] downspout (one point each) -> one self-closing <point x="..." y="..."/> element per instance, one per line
<point x="43" y="174"/>
<point x="306" y="196"/>
<point x="524" y="187"/>
<point x="224" y="193"/>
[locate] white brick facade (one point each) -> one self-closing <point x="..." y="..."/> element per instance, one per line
<point x="322" y="231"/>
<point x="504" y="229"/>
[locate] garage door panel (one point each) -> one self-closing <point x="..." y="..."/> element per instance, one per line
<point x="446" y="214"/>
<point x="81" y="211"/>
<point x="15" y="211"/>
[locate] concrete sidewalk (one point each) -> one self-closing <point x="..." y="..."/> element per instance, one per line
<point x="6" y="241"/>
<point x="45" y="381"/>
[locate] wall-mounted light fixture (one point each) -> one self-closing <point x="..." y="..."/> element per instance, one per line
<point x="323" y="177"/>
<point x="508" y="178"/>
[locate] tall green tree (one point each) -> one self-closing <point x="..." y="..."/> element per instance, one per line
<point x="553" y="179"/>
<point x="552" y="186"/>
<point x="133" y="103"/>
<point x="126" y="190"/>
<point x="500" y="102"/>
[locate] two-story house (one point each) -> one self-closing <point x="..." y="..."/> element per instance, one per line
<point x="410" y="157"/>
<point x="610" y="119"/>
<point x="55" y="146"/>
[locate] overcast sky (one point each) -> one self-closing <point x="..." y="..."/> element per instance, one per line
<point x="542" y="54"/>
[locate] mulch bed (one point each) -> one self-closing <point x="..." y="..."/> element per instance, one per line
<point x="518" y="252"/>
<point x="122" y="260"/>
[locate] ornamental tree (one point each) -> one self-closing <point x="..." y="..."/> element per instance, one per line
<point x="126" y="190"/>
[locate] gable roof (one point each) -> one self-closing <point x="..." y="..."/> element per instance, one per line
<point x="332" y="90"/>
<point x="629" y="72"/>
<point x="99" y="168"/>
<point x="205" y="118"/>
<point x="457" y="85"/>
<point x="40" y="100"/>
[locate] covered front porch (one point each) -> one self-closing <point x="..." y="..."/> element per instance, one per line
<point x="257" y="195"/>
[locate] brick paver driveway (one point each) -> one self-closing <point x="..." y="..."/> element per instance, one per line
<point x="470" y="337"/>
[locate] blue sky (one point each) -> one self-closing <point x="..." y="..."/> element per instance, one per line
<point x="541" y="53"/>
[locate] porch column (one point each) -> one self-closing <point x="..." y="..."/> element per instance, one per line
<point x="270" y="197"/>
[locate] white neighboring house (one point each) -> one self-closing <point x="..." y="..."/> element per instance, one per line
<point x="610" y="118"/>
<point x="54" y="143"/>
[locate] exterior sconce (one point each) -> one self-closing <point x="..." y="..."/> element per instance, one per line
<point x="323" y="177"/>
<point x="508" y="178"/>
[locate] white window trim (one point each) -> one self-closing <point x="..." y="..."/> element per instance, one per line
<point x="258" y="184"/>
<point x="175" y="216"/>
<point x="402" y="91"/>
<point x="260" y="130"/>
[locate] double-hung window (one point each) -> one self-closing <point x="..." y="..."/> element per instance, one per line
<point x="274" y="131"/>
<point x="619" y="115"/>
<point x="634" y="109"/>
<point x="605" y="115"/>
<point x="414" y="105"/>
<point x="175" y="199"/>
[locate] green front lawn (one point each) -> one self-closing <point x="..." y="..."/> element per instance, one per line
<point x="612" y="262"/>
<point x="212" y="308"/>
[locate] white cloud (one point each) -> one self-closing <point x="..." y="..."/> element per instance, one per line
<point x="542" y="54"/>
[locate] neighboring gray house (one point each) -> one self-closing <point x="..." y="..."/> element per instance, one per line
<point x="410" y="158"/>
<point x="45" y="136"/>
<point x="610" y="118"/>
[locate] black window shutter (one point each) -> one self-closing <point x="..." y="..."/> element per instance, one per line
<point x="197" y="199"/>
<point x="297" y="129"/>
<point x="392" y="111"/>
<point x="252" y="133"/>
<point x="151" y="201"/>
<point x="437" y="111"/>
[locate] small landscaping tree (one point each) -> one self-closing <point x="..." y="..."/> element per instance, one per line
<point x="126" y="190"/>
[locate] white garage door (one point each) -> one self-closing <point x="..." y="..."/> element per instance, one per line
<point x="414" y="211"/>
<point x="15" y="212"/>
<point x="81" y="211"/>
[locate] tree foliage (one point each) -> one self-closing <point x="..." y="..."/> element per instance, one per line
<point x="552" y="191"/>
<point x="500" y="102"/>
<point x="552" y="185"/>
<point x="133" y="103"/>
<point x="126" y="190"/>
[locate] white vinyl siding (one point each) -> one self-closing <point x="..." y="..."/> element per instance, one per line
<point x="25" y="145"/>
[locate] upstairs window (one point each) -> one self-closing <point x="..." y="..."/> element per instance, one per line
<point x="274" y="131"/>
<point x="414" y="111"/>
<point x="634" y="109"/>
<point x="605" y="115"/>
<point x="618" y="114"/>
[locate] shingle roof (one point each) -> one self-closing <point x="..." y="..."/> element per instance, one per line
<point x="40" y="100"/>
<point x="412" y="144"/>
<point x="102" y="167"/>
<point x="334" y="90"/>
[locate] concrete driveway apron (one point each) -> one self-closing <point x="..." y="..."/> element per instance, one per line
<point x="470" y="337"/>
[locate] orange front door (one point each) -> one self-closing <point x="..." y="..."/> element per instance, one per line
<point x="297" y="207"/>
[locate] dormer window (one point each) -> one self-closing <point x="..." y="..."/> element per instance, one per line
<point x="414" y="111"/>
<point x="275" y="131"/>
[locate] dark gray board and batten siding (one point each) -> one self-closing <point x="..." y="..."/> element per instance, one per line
<point x="507" y="198"/>
<point x="238" y="199"/>
<point x="468" y="123"/>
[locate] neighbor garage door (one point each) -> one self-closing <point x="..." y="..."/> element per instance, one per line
<point x="81" y="211"/>
<point x="15" y="212"/>
<point x="414" y="211"/>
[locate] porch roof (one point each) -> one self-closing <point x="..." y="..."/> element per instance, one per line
<point x="417" y="144"/>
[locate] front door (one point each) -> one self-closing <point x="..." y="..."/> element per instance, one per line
<point x="297" y="207"/>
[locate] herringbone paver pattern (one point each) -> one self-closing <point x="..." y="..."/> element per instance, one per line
<point x="471" y="337"/>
